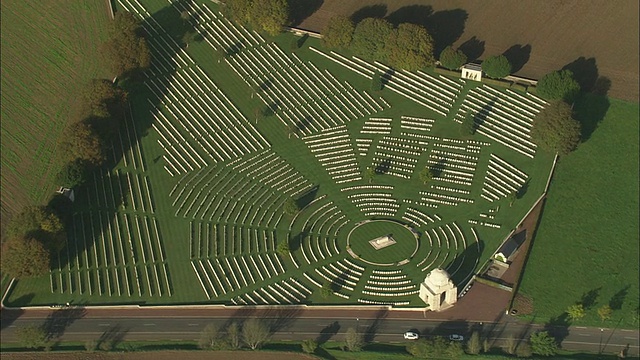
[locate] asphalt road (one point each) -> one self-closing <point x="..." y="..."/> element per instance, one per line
<point x="171" y="325"/>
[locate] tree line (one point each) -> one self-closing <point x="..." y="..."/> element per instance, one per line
<point x="38" y="233"/>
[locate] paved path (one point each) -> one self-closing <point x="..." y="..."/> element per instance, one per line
<point x="296" y="324"/>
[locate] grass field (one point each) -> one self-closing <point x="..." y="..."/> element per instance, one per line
<point x="587" y="240"/>
<point x="190" y="206"/>
<point x="47" y="58"/>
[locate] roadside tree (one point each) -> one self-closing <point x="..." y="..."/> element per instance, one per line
<point x="255" y="333"/>
<point x="543" y="344"/>
<point x="32" y="336"/>
<point x="354" y="341"/>
<point x="576" y="312"/>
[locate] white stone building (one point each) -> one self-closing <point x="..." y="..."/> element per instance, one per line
<point x="438" y="291"/>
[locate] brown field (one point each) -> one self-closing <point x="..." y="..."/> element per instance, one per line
<point x="559" y="32"/>
<point x="48" y="55"/>
<point x="160" y="355"/>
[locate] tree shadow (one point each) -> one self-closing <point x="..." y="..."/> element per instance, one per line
<point x="590" y="110"/>
<point x="602" y="86"/>
<point x="280" y="317"/>
<point x="299" y="10"/>
<point x="517" y="55"/>
<point x="585" y="71"/>
<point x="371" y="11"/>
<point x="386" y="77"/>
<point x="558" y="327"/>
<point x="300" y="42"/>
<point x="444" y="26"/>
<point x="472" y="48"/>
<point x="305" y="199"/>
<point x="616" y="301"/>
<point x="58" y="321"/>
<point x="523" y="189"/>
<point x="113" y="336"/>
<point x="437" y="168"/>
<point x="371" y="330"/>
<point x="589" y="298"/>
<point x="8" y="316"/>
<point x="295" y="243"/>
<point x="453" y="326"/>
<point x="328" y="332"/>
<point x="383" y="167"/>
<point x="462" y="266"/>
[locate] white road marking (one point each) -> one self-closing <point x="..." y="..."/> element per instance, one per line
<point x="149" y="324"/>
<point x="193" y="324"/>
<point x="584" y="334"/>
<point x="104" y="324"/>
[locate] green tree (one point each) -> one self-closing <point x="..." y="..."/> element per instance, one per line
<point x="338" y="32"/>
<point x="496" y="66"/>
<point x="32" y="336"/>
<point x="558" y="85"/>
<point x="82" y="142"/>
<point x="452" y="59"/>
<point x="370" y="38"/>
<point x="511" y="197"/>
<point x="283" y="248"/>
<point x="543" y="344"/>
<point x="73" y="173"/>
<point x="354" y="341"/>
<point x="291" y="207"/>
<point x="126" y="50"/>
<point x="255" y="333"/>
<point x="605" y="312"/>
<point x="486" y="346"/>
<point x="209" y="337"/>
<point x="376" y="82"/>
<point x="369" y="174"/>
<point x="426" y="175"/>
<point x="576" y="312"/>
<point x="473" y="345"/>
<point x="309" y="346"/>
<point x="410" y="47"/>
<point x="468" y="126"/>
<point x="233" y="336"/>
<point x="270" y="15"/>
<point x="555" y="129"/>
<point x="454" y="350"/>
<point x="325" y="290"/>
<point x="25" y="257"/>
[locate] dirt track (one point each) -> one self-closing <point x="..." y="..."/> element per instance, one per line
<point x="559" y="32"/>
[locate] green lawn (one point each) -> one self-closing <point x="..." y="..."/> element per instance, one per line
<point x="199" y="221"/>
<point x="587" y="240"/>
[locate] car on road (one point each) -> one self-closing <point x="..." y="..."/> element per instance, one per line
<point x="410" y="335"/>
<point x="456" y="337"/>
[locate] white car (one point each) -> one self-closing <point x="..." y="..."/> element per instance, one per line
<point x="410" y="335"/>
<point x="456" y="337"/>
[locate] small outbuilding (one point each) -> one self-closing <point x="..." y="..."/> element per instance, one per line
<point x="509" y="249"/>
<point x="472" y="72"/>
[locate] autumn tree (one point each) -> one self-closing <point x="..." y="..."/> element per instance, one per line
<point x="369" y="174"/>
<point x="370" y="38"/>
<point x="25" y="257"/>
<point x="255" y="333"/>
<point x="73" y="173"/>
<point x="41" y="224"/>
<point x="126" y="50"/>
<point x="576" y="312"/>
<point x="452" y="59"/>
<point x="558" y="85"/>
<point x="233" y="336"/>
<point x="291" y="206"/>
<point x="496" y="66"/>
<point x="338" y="32"/>
<point x="410" y="47"/>
<point x="266" y="15"/>
<point x="283" y="247"/>
<point x="325" y="290"/>
<point x="82" y="142"/>
<point x="605" y="312"/>
<point x="555" y="129"/>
